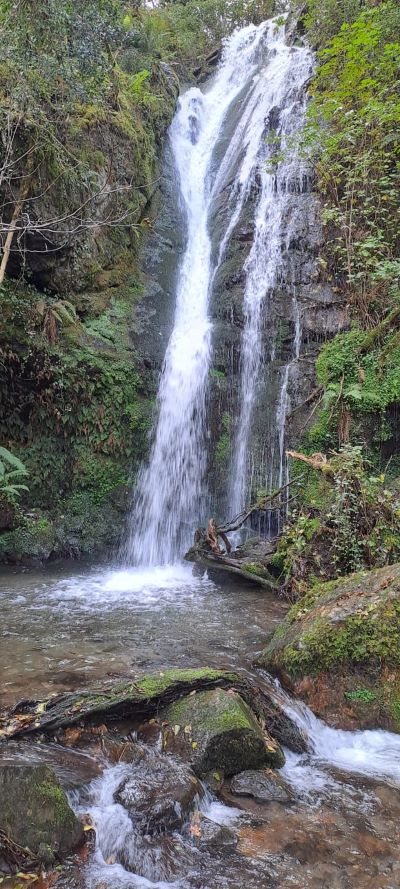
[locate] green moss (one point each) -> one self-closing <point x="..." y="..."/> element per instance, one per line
<point x="258" y="570"/>
<point x="152" y="686"/>
<point x="51" y="792"/>
<point x="232" y="715"/>
<point x="363" y="695"/>
<point x="223" y="445"/>
<point x="319" y="633"/>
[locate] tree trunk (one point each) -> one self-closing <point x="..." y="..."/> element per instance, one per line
<point x="23" y="194"/>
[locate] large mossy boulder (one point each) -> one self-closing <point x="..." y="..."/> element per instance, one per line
<point x="339" y="649"/>
<point x="217" y="730"/>
<point x="35" y="814"/>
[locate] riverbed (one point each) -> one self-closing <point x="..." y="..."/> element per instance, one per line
<point x="63" y="628"/>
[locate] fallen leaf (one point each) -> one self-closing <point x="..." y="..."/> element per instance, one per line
<point x="176" y="729"/>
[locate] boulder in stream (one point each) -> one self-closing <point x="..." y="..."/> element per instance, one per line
<point x="35" y="814"/>
<point x="158" y="792"/>
<point x="217" y="730"/>
<point x="265" y="786"/>
<point x="339" y="650"/>
<point x="207" y="834"/>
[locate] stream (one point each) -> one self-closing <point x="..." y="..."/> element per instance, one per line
<point x="63" y="629"/>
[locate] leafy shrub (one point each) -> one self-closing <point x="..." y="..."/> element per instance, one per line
<point x="12" y="471"/>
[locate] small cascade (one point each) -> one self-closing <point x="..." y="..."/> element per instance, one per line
<point x="371" y="753"/>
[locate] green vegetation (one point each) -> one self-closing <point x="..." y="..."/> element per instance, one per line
<point x="12" y="471"/>
<point x="77" y="410"/>
<point x="352" y="139"/>
<point x="361" y="694"/>
<point x="346" y="519"/>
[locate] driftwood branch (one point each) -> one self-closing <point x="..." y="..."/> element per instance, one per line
<point x="265" y="504"/>
<point x="316" y="461"/>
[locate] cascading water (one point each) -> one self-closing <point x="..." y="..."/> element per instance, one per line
<point x="281" y="174"/>
<point x="172" y="493"/>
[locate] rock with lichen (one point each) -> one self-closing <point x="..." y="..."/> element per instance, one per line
<point x="217" y="730"/>
<point x="339" y="649"/>
<point x="35" y="816"/>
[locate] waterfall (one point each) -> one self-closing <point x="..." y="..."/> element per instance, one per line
<point x="172" y="494"/>
<point x="281" y="174"/>
<point x="258" y="73"/>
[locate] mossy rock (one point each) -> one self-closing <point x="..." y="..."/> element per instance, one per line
<point x="339" y="648"/>
<point x="35" y="814"/>
<point x="33" y="542"/>
<point x="217" y="730"/>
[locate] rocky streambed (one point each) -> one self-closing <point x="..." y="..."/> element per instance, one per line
<point x="203" y="776"/>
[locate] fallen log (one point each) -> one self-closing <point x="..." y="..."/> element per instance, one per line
<point x="139" y="700"/>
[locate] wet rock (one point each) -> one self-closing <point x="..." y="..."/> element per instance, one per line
<point x="264" y="786"/>
<point x="159" y="793"/>
<point x="214" y="781"/>
<point x="122" y="750"/>
<point x="207" y="834"/>
<point x="216" y="730"/>
<point x="338" y="649"/>
<point x="35" y="814"/>
<point x="161" y="858"/>
<point x="73" y="768"/>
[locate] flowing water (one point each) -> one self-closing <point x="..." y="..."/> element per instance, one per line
<point x="172" y="493"/>
<point x="266" y="77"/>
<point x="280" y="173"/>
<point x="61" y="630"/>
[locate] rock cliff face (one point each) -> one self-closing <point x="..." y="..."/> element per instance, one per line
<point x="80" y="225"/>
<point x="298" y="316"/>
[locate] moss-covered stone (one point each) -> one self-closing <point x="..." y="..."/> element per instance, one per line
<point x="35" y="813"/>
<point x="340" y="647"/>
<point x="217" y="730"/>
<point x="32" y="541"/>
